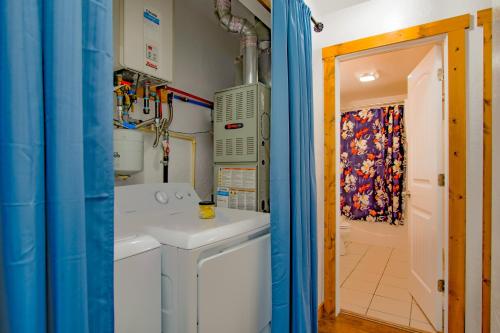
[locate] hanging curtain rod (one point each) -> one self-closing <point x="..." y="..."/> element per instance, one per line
<point x="360" y="107"/>
<point x="318" y="26"/>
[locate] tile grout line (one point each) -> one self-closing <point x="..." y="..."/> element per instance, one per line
<point x="411" y="302"/>
<point x="411" y="311"/>
<point x="378" y="283"/>
<point x="427" y="321"/>
<point x="355" y="266"/>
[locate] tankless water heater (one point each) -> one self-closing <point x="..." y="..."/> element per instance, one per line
<point x="143" y="37"/>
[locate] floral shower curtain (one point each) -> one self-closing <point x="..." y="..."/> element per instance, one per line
<point x="372" y="163"/>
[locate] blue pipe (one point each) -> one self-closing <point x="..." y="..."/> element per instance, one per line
<point x="125" y="124"/>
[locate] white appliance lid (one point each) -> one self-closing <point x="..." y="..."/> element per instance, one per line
<point x="184" y="229"/>
<point x="133" y="245"/>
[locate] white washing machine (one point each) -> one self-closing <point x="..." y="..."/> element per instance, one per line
<point x="215" y="274"/>
<point x="137" y="284"/>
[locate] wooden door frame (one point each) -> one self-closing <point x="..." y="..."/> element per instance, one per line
<point x="484" y="19"/>
<point x="455" y="29"/>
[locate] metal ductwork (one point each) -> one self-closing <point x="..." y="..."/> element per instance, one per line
<point x="264" y="37"/>
<point x="248" y="34"/>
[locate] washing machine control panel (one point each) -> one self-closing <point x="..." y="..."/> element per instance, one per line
<point x="155" y="197"/>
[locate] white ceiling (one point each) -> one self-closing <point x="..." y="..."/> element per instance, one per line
<point x="393" y="69"/>
<point x="324" y="7"/>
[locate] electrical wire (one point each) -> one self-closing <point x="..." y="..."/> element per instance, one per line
<point x="137" y="82"/>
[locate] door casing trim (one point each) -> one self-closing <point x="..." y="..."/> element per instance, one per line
<point x="484" y="19"/>
<point x="454" y="29"/>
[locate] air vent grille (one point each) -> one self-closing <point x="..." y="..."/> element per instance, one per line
<point x="229" y="107"/>
<point x="250" y="145"/>
<point x="239" y="146"/>
<point x="219" y="147"/>
<point x="239" y="105"/>
<point x="250" y="112"/>
<point x="219" y="109"/>
<point x="229" y="147"/>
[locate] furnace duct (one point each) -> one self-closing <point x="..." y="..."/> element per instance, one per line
<point x="248" y="34"/>
<point x="264" y="37"/>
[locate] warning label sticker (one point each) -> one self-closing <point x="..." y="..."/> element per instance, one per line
<point x="237" y="188"/>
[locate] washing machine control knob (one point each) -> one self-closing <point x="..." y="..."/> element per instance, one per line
<point x="161" y="197"/>
<point x="179" y="195"/>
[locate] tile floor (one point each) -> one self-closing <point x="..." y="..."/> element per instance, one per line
<point x="374" y="283"/>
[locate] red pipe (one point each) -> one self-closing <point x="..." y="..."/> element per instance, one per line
<point x="190" y="95"/>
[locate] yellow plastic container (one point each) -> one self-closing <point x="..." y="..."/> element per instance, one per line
<point x="207" y="210"/>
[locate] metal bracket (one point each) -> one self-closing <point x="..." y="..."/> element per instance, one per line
<point x="441" y="179"/>
<point x="440" y="285"/>
<point x="440" y="74"/>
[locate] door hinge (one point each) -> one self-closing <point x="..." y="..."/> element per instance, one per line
<point x="441" y="179"/>
<point x="440" y="74"/>
<point x="440" y="285"/>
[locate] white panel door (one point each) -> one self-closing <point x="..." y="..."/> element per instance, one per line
<point x="234" y="289"/>
<point x="424" y="124"/>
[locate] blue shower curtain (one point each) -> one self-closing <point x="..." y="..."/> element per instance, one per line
<point x="293" y="186"/>
<point x="56" y="171"/>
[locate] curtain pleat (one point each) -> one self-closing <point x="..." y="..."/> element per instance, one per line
<point x="65" y="219"/>
<point x="22" y="169"/>
<point x="98" y="161"/>
<point x="293" y="188"/>
<point x="56" y="181"/>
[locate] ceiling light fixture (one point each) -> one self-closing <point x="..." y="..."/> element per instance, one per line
<point x="367" y="77"/>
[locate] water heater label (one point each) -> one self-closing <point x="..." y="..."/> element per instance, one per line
<point x="151" y="38"/>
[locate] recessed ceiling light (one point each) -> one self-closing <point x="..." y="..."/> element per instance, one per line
<point x="367" y="77"/>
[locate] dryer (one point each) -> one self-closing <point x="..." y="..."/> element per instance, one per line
<point x="215" y="274"/>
